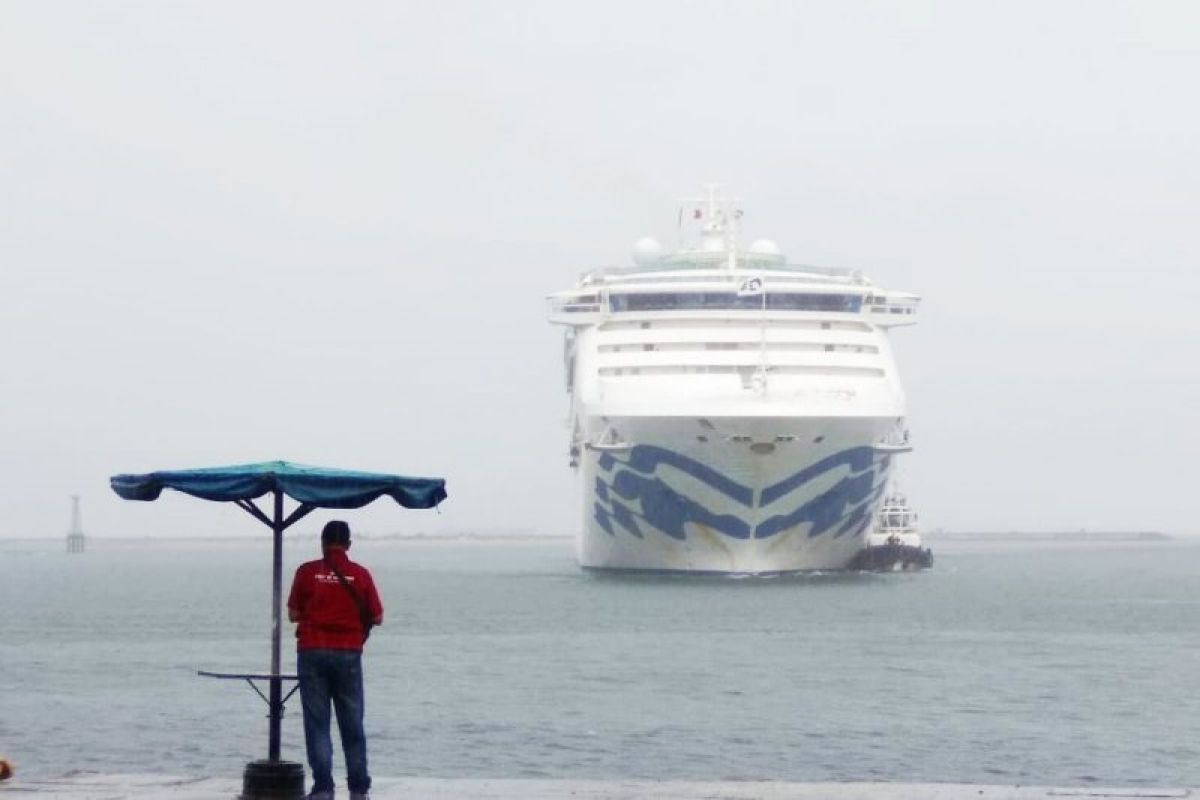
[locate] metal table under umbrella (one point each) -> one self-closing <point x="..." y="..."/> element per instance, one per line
<point x="311" y="488"/>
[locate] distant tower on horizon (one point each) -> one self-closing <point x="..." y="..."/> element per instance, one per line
<point x="75" y="540"/>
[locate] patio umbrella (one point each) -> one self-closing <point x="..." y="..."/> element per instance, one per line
<point x="311" y="488"/>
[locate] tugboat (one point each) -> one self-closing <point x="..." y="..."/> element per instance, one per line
<point x="894" y="542"/>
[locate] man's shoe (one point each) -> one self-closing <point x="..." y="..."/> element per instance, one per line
<point x="359" y="796"/>
<point x="323" y="795"/>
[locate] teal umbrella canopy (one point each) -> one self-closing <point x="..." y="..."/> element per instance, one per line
<point x="321" y="487"/>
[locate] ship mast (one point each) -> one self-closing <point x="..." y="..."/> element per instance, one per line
<point x="718" y="216"/>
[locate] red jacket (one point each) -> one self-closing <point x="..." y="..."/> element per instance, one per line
<point x="327" y="615"/>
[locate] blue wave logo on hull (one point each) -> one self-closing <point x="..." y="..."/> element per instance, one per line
<point x="842" y="509"/>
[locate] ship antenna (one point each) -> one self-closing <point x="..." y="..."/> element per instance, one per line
<point x="733" y="216"/>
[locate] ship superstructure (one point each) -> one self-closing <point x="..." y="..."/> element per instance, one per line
<point x="730" y="412"/>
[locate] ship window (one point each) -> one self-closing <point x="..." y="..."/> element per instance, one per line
<point x="581" y="302"/>
<point x="730" y="301"/>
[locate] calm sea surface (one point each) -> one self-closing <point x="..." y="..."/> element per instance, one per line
<point x="1063" y="664"/>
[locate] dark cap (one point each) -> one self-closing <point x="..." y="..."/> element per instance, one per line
<point x="335" y="532"/>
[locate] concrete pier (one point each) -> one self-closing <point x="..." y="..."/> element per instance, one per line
<point x="91" y="786"/>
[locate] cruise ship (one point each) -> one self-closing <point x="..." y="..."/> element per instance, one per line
<point x="731" y="412"/>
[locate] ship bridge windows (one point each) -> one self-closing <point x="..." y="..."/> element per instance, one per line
<point x="734" y="347"/>
<point x="677" y="324"/>
<point x="575" y="304"/>
<point x="731" y="301"/>
<point x="830" y="370"/>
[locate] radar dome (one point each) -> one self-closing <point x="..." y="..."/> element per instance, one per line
<point x="647" y="251"/>
<point x="765" y="247"/>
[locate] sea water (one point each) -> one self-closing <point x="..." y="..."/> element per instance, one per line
<point x="1067" y="664"/>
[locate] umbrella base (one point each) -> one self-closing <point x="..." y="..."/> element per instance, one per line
<point x="273" y="780"/>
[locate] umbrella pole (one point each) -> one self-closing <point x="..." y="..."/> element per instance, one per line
<point x="274" y="778"/>
<point x="276" y="693"/>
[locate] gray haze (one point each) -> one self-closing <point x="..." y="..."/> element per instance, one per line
<point x="323" y="232"/>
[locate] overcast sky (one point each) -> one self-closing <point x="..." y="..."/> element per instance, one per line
<point x="237" y="232"/>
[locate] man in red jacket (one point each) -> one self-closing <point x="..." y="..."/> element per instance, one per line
<point x="335" y="603"/>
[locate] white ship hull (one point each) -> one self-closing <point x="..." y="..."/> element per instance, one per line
<point x="738" y="495"/>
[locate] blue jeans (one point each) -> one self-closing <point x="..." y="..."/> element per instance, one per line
<point x="333" y="675"/>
